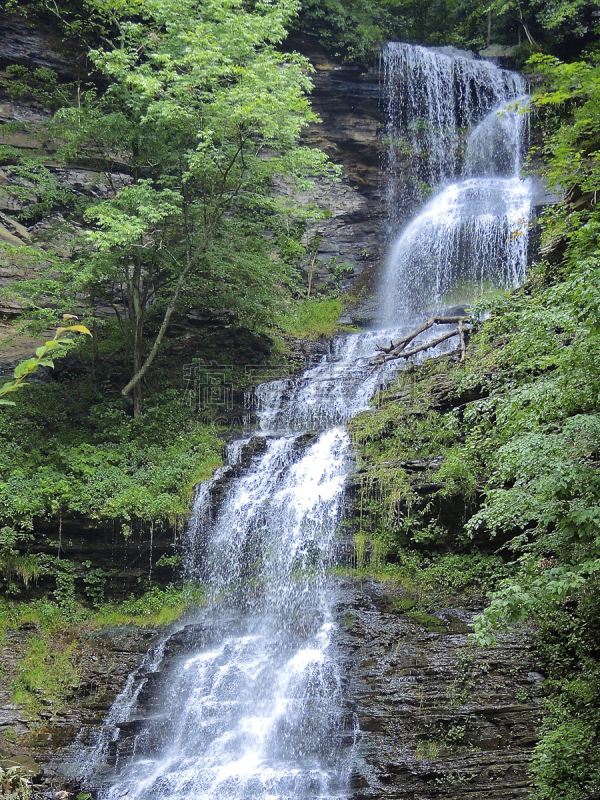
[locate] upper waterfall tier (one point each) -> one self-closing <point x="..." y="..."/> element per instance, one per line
<point x="457" y="125"/>
<point x="496" y="146"/>
<point x="433" y="97"/>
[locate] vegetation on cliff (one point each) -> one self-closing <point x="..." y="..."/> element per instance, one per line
<point x="196" y="116"/>
<point x="501" y="454"/>
<point x="357" y="30"/>
<point x="192" y="115"/>
<point x="189" y="117"/>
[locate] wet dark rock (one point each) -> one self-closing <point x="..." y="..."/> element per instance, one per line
<point x="32" y="43"/>
<point x="438" y="717"/>
<point x="347" y="98"/>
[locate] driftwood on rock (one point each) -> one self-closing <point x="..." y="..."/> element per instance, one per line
<point x="397" y="349"/>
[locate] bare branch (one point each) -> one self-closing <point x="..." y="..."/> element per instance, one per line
<point x="397" y="349"/>
<point x="463" y="344"/>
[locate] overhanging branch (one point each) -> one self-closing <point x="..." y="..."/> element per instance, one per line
<point x="398" y="349"/>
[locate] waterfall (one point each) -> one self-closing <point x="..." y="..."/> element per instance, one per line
<point x="457" y="128"/>
<point x="432" y="97"/>
<point x="244" y="700"/>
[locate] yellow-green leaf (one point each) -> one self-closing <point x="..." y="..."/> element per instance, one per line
<point x="78" y="328"/>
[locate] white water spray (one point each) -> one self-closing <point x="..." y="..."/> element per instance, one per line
<point x="246" y="702"/>
<point x="472" y="234"/>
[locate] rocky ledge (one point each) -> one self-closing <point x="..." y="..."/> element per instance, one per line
<point x="432" y="716"/>
<point x="437" y="716"/>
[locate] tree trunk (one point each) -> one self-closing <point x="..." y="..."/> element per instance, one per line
<point x="137" y="322"/>
<point x="311" y="272"/>
<point x="140" y="371"/>
<point x="191" y="261"/>
<point x="137" y="400"/>
<point x="138" y="342"/>
<point x="530" y="38"/>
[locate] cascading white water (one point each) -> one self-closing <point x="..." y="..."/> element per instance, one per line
<point x="244" y="701"/>
<point x="256" y="710"/>
<point x="470" y="237"/>
<point x="432" y="96"/>
<point x="472" y="234"/>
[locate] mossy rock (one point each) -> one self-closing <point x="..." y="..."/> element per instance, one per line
<point x="403" y="603"/>
<point x="433" y="624"/>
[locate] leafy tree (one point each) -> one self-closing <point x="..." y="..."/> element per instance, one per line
<point x="200" y="116"/>
<point x="547" y="23"/>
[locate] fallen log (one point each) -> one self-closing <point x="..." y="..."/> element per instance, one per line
<point x="401" y="343"/>
<point x="397" y="349"/>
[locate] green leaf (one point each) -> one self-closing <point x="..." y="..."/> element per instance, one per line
<point x="26" y="367"/>
<point x="78" y="328"/>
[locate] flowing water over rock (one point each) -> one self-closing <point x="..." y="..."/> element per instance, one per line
<point x="246" y="700"/>
<point x="470" y="237"/>
<point x="249" y="702"/>
<point x="459" y="126"/>
<point x="432" y="97"/>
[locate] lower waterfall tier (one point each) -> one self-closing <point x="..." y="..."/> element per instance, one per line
<point x="469" y="237"/>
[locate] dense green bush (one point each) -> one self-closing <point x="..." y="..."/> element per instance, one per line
<point x="66" y="451"/>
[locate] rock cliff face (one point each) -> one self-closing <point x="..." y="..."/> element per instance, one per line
<point x="348" y="101"/>
<point x="437" y="717"/>
<point x="430" y="715"/>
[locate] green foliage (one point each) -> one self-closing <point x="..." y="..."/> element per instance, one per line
<point x="202" y="111"/>
<point x="37" y="192"/>
<point x="160" y="606"/>
<point x="546" y="23"/>
<point x="65" y="452"/>
<point x="47" y="675"/>
<point x="441" y="576"/>
<point x="95" y="584"/>
<point x="14" y="783"/>
<point x="399" y="450"/>
<point x="357" y="30"/>
<point x="42" y="358"/>
<point x="312" y="318"/>
<point x="41" y="84"/>
<point x="80" y="22"/>
<point x="205" y="112"/>
<point x="13" y="564"/>
<point x="566" y="759"/>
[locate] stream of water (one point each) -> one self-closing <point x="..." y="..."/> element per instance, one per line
<point x="256" y="708"/>
<point x="457" y="127"/>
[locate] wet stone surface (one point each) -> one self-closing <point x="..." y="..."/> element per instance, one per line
<point x="438" y="717"/>
<point x="105" y="660"/>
